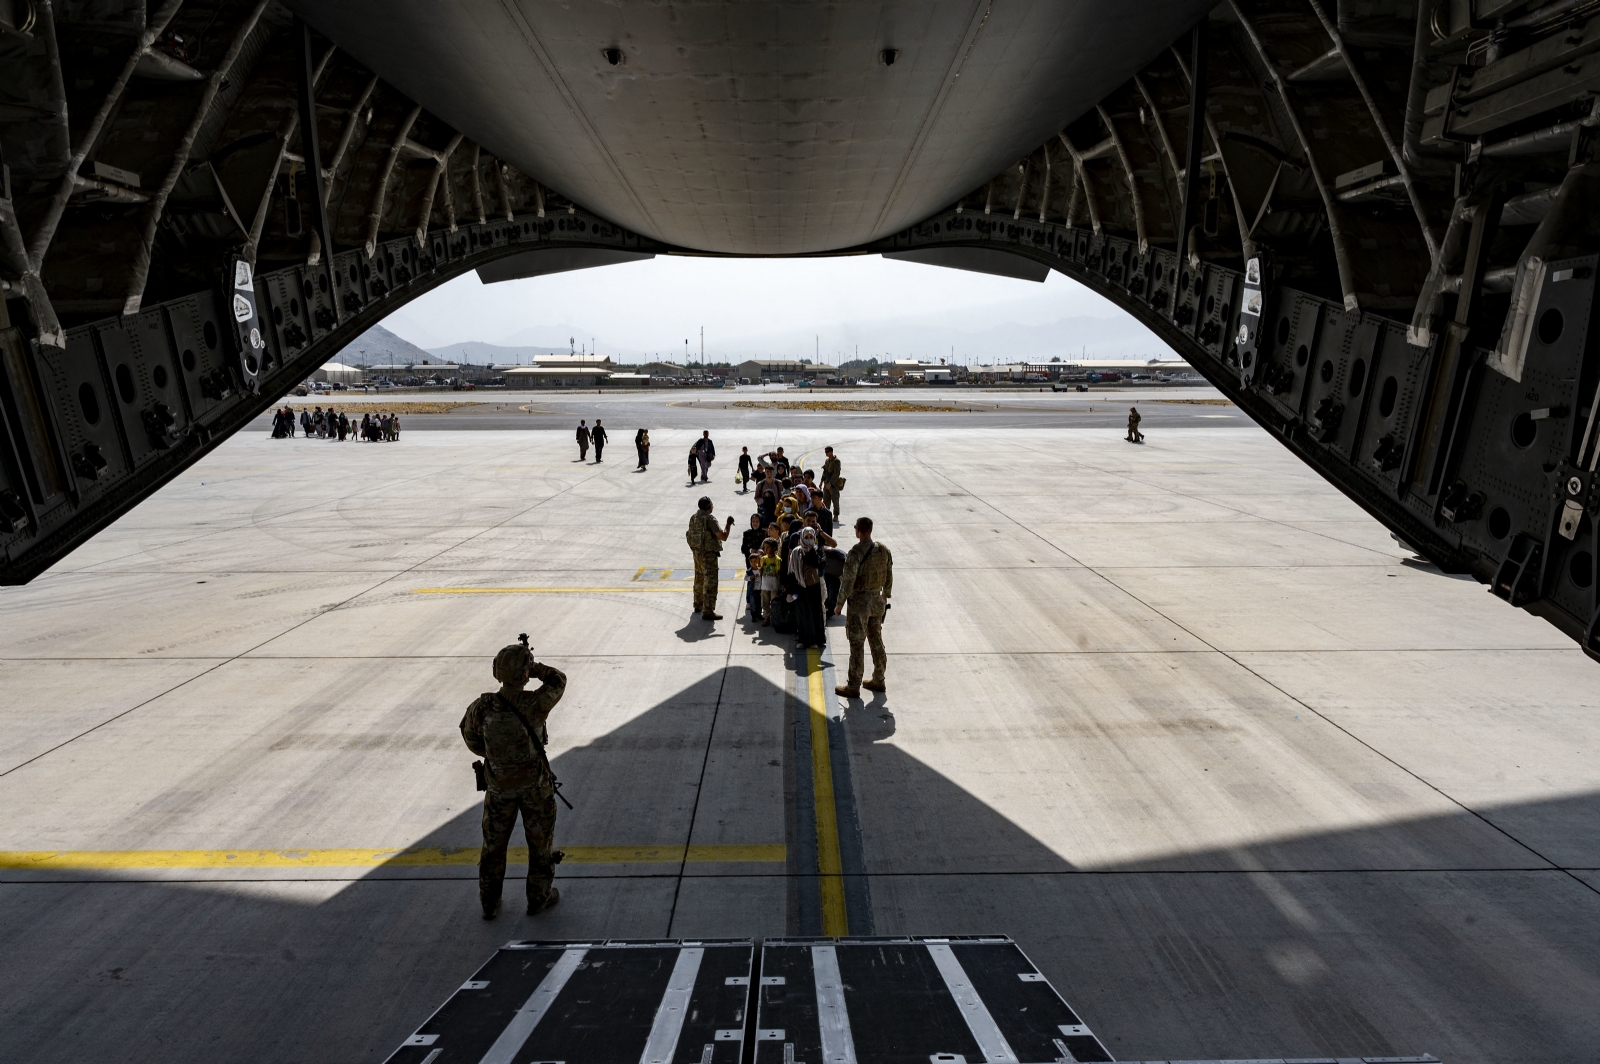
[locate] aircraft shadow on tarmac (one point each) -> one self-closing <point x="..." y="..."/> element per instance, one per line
<point x="1398" y="945"/>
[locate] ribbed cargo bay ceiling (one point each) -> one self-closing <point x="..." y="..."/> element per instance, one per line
<point x="761" y="128"/>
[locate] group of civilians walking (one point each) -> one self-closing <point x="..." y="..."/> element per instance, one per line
<point x="331" y="424"/>
<point x="596" y="437"/>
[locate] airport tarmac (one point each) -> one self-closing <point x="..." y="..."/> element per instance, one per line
<point x="1242" y="776"/>
<point x="755" y="409"/>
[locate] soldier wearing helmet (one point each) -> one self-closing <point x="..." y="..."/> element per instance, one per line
<point x="507" y="729"/>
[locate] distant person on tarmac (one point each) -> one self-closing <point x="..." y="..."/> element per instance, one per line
<point x="832" y="482"/>
<point x="583" y="441"/>
<point x="705" y="453"/>
<point x="598" y="435"/>
<point x="641" y="443"/>
<point x="1134" y="435"/>
<point x="780" y="464"/>
<point x="746" y="463"/>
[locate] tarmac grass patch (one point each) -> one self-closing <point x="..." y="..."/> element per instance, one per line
<point x="405" y="409"/>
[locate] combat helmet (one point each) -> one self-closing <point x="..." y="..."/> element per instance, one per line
<point x="512" y="662"/>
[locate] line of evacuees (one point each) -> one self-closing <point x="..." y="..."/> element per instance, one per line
<point x="333" y="424"/>
<point x="794" y="564"/>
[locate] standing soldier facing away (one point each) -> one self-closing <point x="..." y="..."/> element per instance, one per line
<point x="832" y="482"/>
<point x="866" y="585"/>
<point x="507" y="729"/>
<point x="705" y="538"/>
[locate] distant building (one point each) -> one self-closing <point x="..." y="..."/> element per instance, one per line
<point x="337" y="373"/>
<point x="665" y="369"/>
<point x="780" y="370"/>
<point x="899" y="367"/>
<point x="556" y="377"/>
<point x="1012" y="371"/>
<point x="574" y="361"/>
<point x="628" y="380"/>
<point x="414" y="369"/>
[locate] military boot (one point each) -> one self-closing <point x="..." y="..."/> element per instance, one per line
<point x="491" y="909"/>
<point x="709" y="616"/>
<point x="847" y="691"/>
<point x="549" y="902"/>
<point x="872" y="685"/>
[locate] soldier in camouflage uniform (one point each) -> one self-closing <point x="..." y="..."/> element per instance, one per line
<point x="705" y="538"/>
<point x="507" y="729"/>
<point x="832" y="482"/>
<point x="865" y="586"/>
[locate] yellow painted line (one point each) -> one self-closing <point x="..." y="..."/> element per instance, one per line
<point x="642" y="589"/>
<point x="835" y="920"/>
<point x="407" y="857"/>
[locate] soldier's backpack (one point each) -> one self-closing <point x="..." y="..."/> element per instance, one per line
<point x="696" y="535"/>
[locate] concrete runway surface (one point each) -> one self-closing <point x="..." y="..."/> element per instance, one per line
<point x="755" y="409"/>
<point x="1239" y="774"/>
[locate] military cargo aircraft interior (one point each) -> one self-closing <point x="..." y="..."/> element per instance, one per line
<point x="1271" y="738"/>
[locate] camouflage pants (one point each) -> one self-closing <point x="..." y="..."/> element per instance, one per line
<point x="830" y="499"/>
<point x="864" y="624"/>
<point x="705" y="582"/>
<point x="500" y="811"/>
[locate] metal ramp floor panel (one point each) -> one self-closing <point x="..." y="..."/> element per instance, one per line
<point x="892" y="1000"/>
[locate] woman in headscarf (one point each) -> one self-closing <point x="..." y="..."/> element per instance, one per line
<point x="641" y="443"/>
<point x="805" y="567"/>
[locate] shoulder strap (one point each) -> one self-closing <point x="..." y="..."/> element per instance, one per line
<point x="533" y="736"/>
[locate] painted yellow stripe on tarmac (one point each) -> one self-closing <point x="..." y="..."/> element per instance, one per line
<point x="835" y="920"/>
<point x="643" y="588"/>
<point x="414" y="857"/>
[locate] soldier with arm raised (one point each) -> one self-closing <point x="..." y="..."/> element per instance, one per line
<point x="507" y="729"/>
<point x="705" y="538"/>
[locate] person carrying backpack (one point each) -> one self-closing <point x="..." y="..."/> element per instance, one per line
<point x="705" y="539"/>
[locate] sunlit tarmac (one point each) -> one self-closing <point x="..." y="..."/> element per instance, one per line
<point x="1241" y="775"/>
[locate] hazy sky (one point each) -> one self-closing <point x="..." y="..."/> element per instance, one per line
<point x="782" y="308"/>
